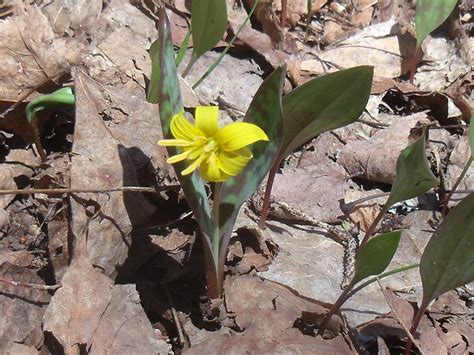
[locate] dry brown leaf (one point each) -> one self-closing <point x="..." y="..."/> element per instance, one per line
<point x="77" y="307"/>
<point x="271" y="317"/>
<point x="125" y="328"/>
<point x="366" y="212"/>
<point x="17" y="162"/>
<point x="107" y="156"/>
<point x="380" y="45"/>
<point x="73" y="17"/>
<point x="376" y="157"/>
<point x="31" y="52"/>
<point x="313" y="190"/>
<point x="22" y="308"/>
<point x="258" y="41"/>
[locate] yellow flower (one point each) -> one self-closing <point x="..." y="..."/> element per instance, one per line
<point x="219" y="152"/>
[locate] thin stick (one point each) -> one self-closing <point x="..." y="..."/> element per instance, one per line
<point x="28" y="285"/>
<point x="181" y="338"/>
<point x="98" y="190"/>
<point x="397" y="316"/>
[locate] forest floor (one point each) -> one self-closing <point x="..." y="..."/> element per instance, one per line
<point x="102" y="255"/>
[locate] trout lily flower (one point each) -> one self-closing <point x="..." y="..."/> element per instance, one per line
<point x="219" y="153"/>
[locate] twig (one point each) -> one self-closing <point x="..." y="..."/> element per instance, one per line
<point x="397" y="316"/>
<point x="181" y="338"/>
<point x="28" y="285"/>
<point x="98" y="190"/>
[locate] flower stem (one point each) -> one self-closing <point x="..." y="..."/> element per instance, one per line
<point x="266" y="197"/>
<point x="215" y="223"/>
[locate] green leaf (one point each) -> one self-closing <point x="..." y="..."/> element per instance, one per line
<point x="374" y="257"/>
<point x="169" y="99"/>
<point x="63" y="96"/>
<point x="183" y="48"/>
<point x="448" y="259"/>
<point x="265" y="111"/>
<point x="208" y="25"/>
<point x="328" y="102"/>
<point x="413" y="176"/>
<point x="154" y="85"/>
<point x="430" y="14"/>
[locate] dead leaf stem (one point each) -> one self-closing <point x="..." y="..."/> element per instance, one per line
<point x="94" y="190"/>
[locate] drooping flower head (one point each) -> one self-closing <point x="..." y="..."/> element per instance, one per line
<point x="219" y="153"/>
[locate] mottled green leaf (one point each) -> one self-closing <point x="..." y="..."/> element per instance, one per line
<point x="154" y="85"/>
<point x="413" y="174"/>
<point x="169" y="99"/>
<point x="63" y="96"/>
<point x="448" y="259"/>
<point x="208" y="24"/>
<point x="430" y="14"/>
<point x="265" y="111"/>
<point x="328" y="102"/>
<point x="374" y="257"/>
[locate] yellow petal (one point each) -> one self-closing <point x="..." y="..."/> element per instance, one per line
<point x="206" y="119"/>
<point x="182" y="129"/>
<point x="178" y="157"/>
<point x="210" y="169"/>
<point x="194" y="165"/>
<point x="175" y="143"/>
<point x="232" y="163"/>
<point x="238" y="135"/>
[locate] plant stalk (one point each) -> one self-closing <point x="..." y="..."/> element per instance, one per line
<point x="414" y="326"/>
<point x="372" y="227"/>
<point x="268" y="191"/>
<point x="381" y="276"/>
<point x="340" y="301"/>
<point x="456" y="184"/>
<point x="215" y="239"/>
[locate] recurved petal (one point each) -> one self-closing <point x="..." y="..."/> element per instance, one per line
<point x="238" y="135"/>
<point x="233" y="162"/>
<point x="181" y="128"/>
<point x="207" y="119"/>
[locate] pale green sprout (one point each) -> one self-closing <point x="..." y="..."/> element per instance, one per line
<point x="219" y="153"/>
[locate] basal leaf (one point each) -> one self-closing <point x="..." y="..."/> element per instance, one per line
<point x="63" y="96"/>
<point x="208" y="25"/>
<point x="448" y="259"/>
<point x="169" y="99"/>
<point x="430" y="14"/>
<point x="374" y="257"/>
<point x="264" y="111"/>
<point x="413" y="175"/>
<point x="328" y="102"/>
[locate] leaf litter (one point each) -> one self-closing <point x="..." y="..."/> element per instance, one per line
<point x="113" y="285"/>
